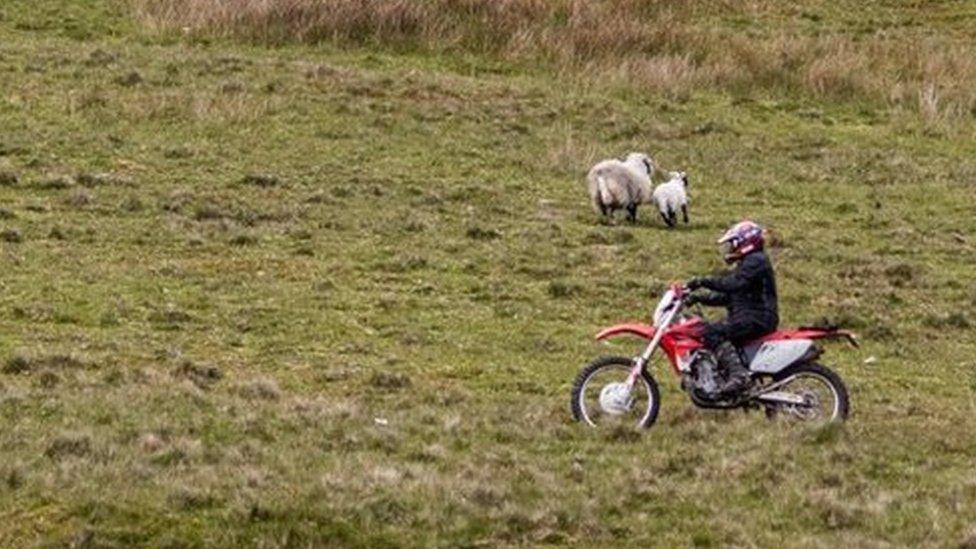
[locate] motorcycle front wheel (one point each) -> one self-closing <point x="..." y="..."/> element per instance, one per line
<point x="601" y="398"/>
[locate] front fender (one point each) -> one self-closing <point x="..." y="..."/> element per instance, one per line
<point x="645" y="331"/>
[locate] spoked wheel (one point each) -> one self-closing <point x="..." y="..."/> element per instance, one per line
<point x="601" y="398"/>
<point x="821" y="394"/>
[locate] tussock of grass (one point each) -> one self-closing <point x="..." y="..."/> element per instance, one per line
<point x="12" y="235"/>
<point x="261" y="389"/>
<point x="203" y="376"/>
<point x="8" y="178"/>
<point x="261" y="180"/>
<point x="46" y="365"/>
<point x="69" y="445"/>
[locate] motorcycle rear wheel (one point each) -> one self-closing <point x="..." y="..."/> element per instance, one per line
<point x="588" y="388"/>
<point x="820" y="386"/>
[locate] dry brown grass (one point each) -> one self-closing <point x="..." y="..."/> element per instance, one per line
<point x="660" y="46"/>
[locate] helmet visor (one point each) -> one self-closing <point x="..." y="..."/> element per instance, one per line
<point x="726" y="248"/>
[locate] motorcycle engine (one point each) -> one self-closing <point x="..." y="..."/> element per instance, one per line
<point x="704" y="377"/>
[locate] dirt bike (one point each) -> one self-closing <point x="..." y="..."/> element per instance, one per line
<point x="785" y="379"/>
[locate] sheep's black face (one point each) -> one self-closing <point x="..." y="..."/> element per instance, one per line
<point x="684" y="179"/>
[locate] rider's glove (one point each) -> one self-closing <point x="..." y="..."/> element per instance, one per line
<point x="692" y="300"/>
<point x="694" y="283"/>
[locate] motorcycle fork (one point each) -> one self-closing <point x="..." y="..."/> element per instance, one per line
<point x="635" y="372"/>
<point x="641" y="361"/>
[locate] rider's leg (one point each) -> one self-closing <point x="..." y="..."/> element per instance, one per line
<point x="721" y="337"/>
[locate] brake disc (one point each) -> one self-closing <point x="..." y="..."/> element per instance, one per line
<point x="810" y="408"/>
<point x="615" y="399"/>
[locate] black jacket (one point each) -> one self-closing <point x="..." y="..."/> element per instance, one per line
<point x="748" y="292"/>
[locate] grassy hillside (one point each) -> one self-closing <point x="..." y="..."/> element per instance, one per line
<point x="326" y="293"/>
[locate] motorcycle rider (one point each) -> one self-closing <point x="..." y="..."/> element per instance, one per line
<point x="748" y="292"/>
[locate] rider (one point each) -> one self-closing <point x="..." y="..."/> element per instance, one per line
<point x="749" y="294"/>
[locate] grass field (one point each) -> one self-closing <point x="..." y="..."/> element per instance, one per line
<point x="329" y="294"/>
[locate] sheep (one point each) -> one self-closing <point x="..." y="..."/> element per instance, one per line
<point x="616" y="184"/>
<point x="673" y="195"/>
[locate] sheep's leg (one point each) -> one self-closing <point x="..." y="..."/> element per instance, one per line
<point x="684" y="212"/>
<point x="667" y="220"/>
<point x="632" y="212"/>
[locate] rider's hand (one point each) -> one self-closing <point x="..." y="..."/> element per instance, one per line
<point x="692" y="300"/>
<point x="694" y="283"/>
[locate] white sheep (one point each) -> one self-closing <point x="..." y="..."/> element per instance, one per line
<point x="671" y="196"/>
<point x="616" y="185"/>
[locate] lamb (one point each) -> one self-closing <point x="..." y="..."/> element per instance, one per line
<point x="673" y="195"/>
<point x="615" y="184"/>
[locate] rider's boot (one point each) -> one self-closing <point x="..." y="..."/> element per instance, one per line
<point x="736" y="373"/>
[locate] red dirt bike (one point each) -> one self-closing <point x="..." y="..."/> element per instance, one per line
<point x="785" y="379"/>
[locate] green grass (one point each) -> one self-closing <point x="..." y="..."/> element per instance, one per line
<point x="193" y="356"/>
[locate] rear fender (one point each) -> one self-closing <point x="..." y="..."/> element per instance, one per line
<point x="644" y="331"/>
<point x="836" y="334"/>
<point x="810" y="333"/>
